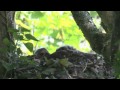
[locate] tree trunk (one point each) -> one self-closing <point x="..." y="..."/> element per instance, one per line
<point x="6" y="22"/>
<point x="95" y="37"/>
<point x="115" y="41"/>
<point x="107" y="44"/>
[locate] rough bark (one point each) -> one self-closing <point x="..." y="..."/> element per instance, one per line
<point x="6" y="21"/>
<point x="95" y="37"/>
<point x="111" y="19"/>
<point x="105" y="44"/>
<point x="107" y="17"/>
<point x="108" y="20"/>
<point x="115" y="41"/>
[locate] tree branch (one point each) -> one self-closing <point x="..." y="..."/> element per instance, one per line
<point x="107" y="19"/>
<point x="91" y="33"/>
<point x="115" y="41"/>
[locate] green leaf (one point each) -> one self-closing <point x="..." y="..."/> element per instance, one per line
<point x="29" y="46"/>
<point x="23" y="58"/>
<point x="24" y="30"/>
<point x="65" y="62"/>
<point x="21" y="37"/>
<point x="19" y="51"/>
<point x="93" y="13"/>
<point x="18" y="37"/>
<point x="30" y="37"/>
<point x="12" y="47"/>
<point x="49" y="71"/>
<point x="3" y="50"/>
<point x="7" y="66"/>
<point x="12" y="30"/>
<point x="37" y="14"/>
<point x="6" y="41"/>
<point x="48" y="62"/>
<point x="54" y="34"/>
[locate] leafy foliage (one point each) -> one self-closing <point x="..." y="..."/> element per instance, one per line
<point x="25" y="68"/>
<point x="51" y="29"/>
<point x="42" y="29"/>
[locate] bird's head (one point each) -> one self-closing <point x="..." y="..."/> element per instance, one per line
<point x="41" y="53"/>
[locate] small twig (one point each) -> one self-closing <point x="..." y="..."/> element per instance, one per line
<point x="5" y="74"/>
<point x="67" y="73"/>
<point x="85" y="67"/>
<point x="90" y="63"/>
<point x="27" y="68"/>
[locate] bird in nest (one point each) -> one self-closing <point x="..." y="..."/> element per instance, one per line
<point x="63" y="52"/>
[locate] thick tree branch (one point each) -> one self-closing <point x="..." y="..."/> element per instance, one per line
<point x="115" y="41"/>
<point x="111" y="19"/>
<point x="91" y="33"/>
<point x="107" y="19"/>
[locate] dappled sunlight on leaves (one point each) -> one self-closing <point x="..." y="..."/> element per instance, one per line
<point x="57" y="24"/>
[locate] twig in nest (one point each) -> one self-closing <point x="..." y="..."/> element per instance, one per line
<point x="22" y="69"/>
<point x="67" y="73"/>
<point x="75" y="71"/>
<point x="85" y="67"/>
<point x="91" y="63"/>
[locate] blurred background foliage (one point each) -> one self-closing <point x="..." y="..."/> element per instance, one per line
<point x="52" y="29"/>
